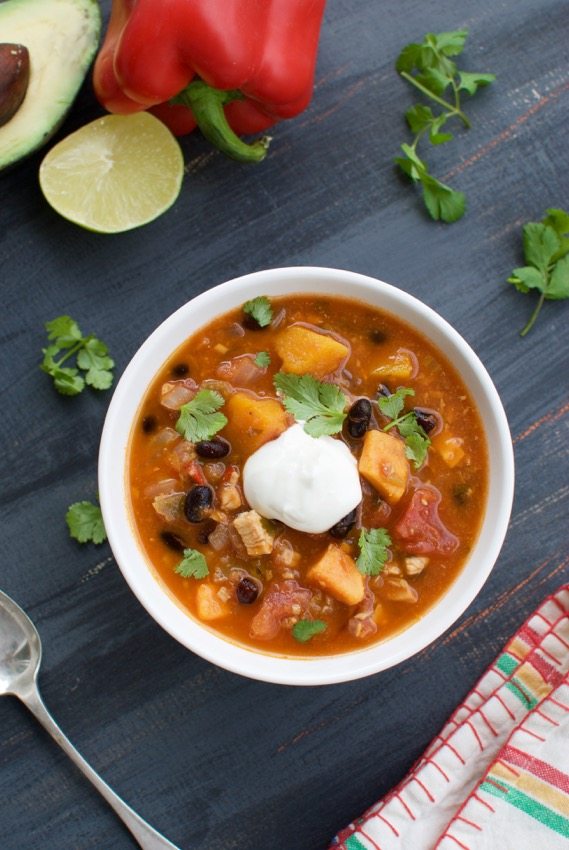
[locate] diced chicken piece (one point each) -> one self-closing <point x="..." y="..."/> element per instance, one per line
<point x="415" y="564"/>
<point x="208" y="604"/>
<point x="258" y="540"/>
<point x="362" y="624"/>
<point x="399" y="590"/>
<point x="450" y="449"/>
<point x="169" y="506"/>
<point x="305" y="351"/>
<point x="337" y="574"/>
<point x="229" y="495"/>
<point x="284" y="555"/>
<point x="384" y="464"/>
<point x="401" y="366"/>
<point x="253" y="422"/>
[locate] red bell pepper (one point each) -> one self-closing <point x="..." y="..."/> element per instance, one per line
<point x="228" y="66"/>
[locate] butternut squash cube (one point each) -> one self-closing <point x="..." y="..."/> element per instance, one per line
<point x="209" y="605"/>
<point x="304" y="351"/>
<point x="337" y="574"/>
<point x="400" y="366"/>
<point x="253" y="421"/>
<point x="383" y="463"/>
<point x="450" y="449"/>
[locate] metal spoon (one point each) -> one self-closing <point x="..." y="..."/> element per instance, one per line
<point x="20" y="656"/>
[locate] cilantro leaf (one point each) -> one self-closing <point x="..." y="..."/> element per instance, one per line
<point x="416" y="445"/>
<point x="526" y="278"/>
<point x="540" y="244"/>
<point x="393" y="404"/>
<point x="304" y="630"/>
<point x="91" y="354"/>
<point x="471" y="82"/>
<point x="262" y="359"/>
<point x="374" y="551"/>
<point x="319" y="405"/>
<point x="199" y="419"/>
<point x="442" y="202"/>
<point x="559" y="221"/>
<point x="85" y="523"/>
<point x="546" y="251"/>
<point x="428" y="68"/>
<point x="450" y="43"/>
<point x="192" y="565"/>
<point x="416" y="440"/>
<point x="259" y="309"/>
<point x="94" y="360"/>
<point x="64" y="330"/>
<point x="419" y="117"/>
<point x="558" y="287"/>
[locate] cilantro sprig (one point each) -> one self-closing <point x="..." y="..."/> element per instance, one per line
<point x="93" y="364"/>
<point x="546" y="252"/>
<point x="416" y="440"/>
<point x="321" y="406"/>
<point x="374" y="550"/>
<point x="304" y="630"/>
<point x="85" y="523"/>
<point x="199" y="418"/>
<point x="192" y="565"/>
<point x="260" y="310"/>
<point x="428" y="67"/>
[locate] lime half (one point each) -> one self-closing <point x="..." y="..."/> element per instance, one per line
<point x="114" y="174"/>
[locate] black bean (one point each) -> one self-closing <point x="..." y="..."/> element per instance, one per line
<point x="216" y="448"/>
<point x="359" y="417"/>
<point x="343" y="525"/>
<point x="462" y="494"/>
<point x="247" y="591"/>
<point x="251" y="324"/>
<point x="198" y="500"/>
<point x="207" y="528"/>
<point x="180" y="369"/>
<point x="426" y="420"/>
<point x="377" y="336"/>
<point x="383" y="390"/>
<point x="172" y="541"/>
<point x="149" y="424"/>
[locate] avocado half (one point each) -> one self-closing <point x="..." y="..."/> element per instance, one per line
<point x="62" y="37"/>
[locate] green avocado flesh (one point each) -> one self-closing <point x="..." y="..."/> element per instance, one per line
<point x="62" y="37"/>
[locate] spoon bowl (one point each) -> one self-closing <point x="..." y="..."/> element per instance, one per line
<point x="20" y="648"/>
<point x="20" y="657"/>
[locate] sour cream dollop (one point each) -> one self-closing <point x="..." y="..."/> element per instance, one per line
<point x="306" y="482"/>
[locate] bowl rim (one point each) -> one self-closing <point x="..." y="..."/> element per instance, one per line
<point x="145" y="583"/>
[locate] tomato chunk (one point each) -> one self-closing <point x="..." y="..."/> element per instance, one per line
<point x="420" y="529"/>
<point x="283" y="601"/>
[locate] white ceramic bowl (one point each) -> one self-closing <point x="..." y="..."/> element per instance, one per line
<point x="150" y="591"/>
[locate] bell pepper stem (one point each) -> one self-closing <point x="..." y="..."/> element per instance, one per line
<point x="207" y="105"/>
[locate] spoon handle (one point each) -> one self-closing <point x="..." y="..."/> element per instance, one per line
<point x="147" y="837"/>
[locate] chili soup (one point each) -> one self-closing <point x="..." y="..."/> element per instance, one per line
<point x="307" y="475"/>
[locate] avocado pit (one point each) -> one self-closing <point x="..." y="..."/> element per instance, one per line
<point x="14" y="79"/>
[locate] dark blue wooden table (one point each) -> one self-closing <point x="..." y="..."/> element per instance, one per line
<point x="213" y="760"/>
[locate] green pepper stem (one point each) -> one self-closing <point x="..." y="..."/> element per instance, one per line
<point x="207" y="105"/>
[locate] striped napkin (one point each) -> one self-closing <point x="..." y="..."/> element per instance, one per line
<point x="497" y="775"/>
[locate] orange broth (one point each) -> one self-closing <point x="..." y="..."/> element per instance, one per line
<point x="456" y="465"/>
